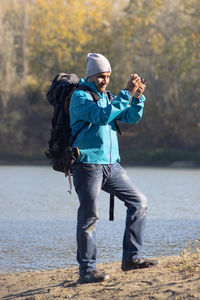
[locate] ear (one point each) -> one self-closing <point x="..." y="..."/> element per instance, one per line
<point x="91" y="78"/>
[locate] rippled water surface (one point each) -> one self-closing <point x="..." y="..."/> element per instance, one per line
<point x="38" y="216"/>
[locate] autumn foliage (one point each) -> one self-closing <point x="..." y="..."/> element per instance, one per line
<point x="155" y="38"/>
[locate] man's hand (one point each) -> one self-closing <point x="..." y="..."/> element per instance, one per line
<point x="140" y="90"/>
<point x="135" y="86"/>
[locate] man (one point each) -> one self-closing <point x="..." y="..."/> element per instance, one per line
<point x="98" y="165"/>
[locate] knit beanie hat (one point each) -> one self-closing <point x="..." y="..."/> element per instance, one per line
<point x="96" y="63"/>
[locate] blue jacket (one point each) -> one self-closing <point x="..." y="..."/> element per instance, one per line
<point x="97" y="141"/>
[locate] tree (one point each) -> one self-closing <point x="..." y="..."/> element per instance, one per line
<point x="61" y="31"/>
<point x="160" y="41"/>
<point x="13" y="58"/>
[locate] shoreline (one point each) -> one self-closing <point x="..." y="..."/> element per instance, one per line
<point x="157" y="157"/>
<point x="176" y="277"/>
<point x="173" y="165"/>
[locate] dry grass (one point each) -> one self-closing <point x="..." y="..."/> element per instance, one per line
<point x="190" y="259"/>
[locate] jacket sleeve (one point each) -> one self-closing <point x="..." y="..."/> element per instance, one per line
<point x="82" y="107"/>
<point x="133" y="113"/>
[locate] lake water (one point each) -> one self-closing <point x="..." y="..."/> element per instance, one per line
<point x="38" y="217"/>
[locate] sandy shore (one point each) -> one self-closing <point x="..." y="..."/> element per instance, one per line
<point x="175" y="278"/>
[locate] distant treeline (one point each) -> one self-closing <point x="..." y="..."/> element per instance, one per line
<point x="157" y="39"/>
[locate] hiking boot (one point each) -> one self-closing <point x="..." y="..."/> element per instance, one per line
<point x="139" y="264"/>
<point x="92" y="277"/>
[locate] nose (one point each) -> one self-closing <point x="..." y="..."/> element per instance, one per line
<point x="104" y="80"/>
<point x="107" y="79"/>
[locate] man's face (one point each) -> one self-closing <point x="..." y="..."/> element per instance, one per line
<point x="101" y="80"/>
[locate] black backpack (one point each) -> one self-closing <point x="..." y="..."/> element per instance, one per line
<point x="60" y="152"/>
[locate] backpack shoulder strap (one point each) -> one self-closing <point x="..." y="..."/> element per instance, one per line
<point x="109" y="95"/>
